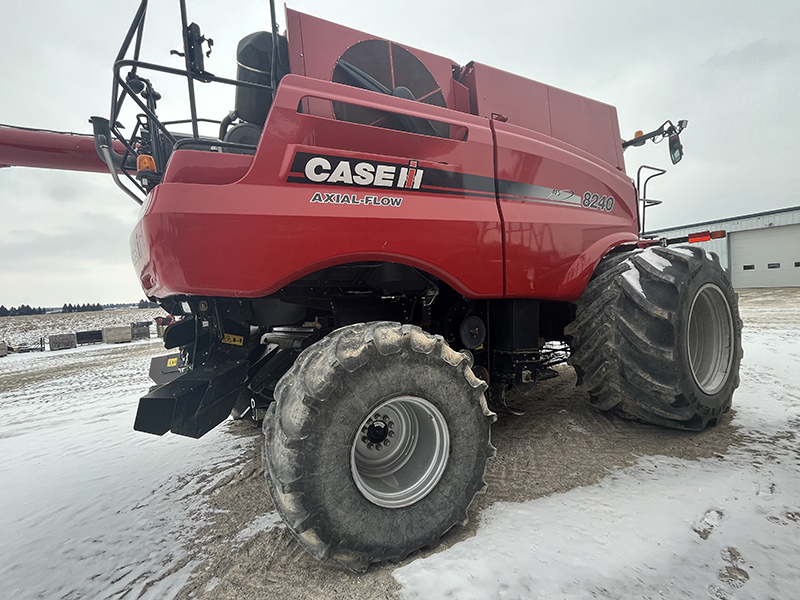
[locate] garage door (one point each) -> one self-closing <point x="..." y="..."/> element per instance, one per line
<point x="767" y="257"/>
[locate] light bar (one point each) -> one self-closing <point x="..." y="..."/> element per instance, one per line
<point x="693" y="238"/>
<point x="702" y="236"/>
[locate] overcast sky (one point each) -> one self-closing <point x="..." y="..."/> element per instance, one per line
<point x="732" y="68"/>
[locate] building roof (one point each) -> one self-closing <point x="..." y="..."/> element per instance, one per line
<point x="737" y="218"/>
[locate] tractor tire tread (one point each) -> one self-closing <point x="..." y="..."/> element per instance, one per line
<point x="304" y="399"/>
<point x="626" y="336"/>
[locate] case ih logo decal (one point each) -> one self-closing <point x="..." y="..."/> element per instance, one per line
<point x="325" y="197"/>
<point x="330" y="170"/>
<point x="335" y="170"/>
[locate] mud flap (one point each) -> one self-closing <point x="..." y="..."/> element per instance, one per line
<point x="194" y="403"/>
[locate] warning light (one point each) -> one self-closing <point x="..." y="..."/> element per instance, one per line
<point x="718" y="235"/>
<point x="702" y="236"/>
<point x="639" y="133"/>
<point x="145" y="162"/>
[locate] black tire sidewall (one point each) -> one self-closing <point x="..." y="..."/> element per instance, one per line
<point x="342" y="510"/>
<point x="708" y="405"/>
<point x="321" y="403"/>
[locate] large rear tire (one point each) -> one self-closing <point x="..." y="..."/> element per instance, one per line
<point x="377" y="443"/>
<point x="657" y="337"/>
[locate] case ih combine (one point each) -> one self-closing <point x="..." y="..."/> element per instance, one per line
<point x="377" y="246"/>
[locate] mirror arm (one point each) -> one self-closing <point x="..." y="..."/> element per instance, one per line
<point x="667" y="129"/>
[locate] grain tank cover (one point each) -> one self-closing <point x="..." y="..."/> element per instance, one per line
<point x="582" y="122"/>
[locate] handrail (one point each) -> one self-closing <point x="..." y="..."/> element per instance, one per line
<point x="641" y="190"/>
<point x="122" y="87"/>
<point x="294" y="88"/>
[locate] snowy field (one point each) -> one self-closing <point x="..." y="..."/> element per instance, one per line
<point x="91" y="509"/>
<point x="88" y="507"/>
<point x="726" y="527"/>
<point x="23" y="331"/>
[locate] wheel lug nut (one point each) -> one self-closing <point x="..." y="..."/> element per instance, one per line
<point x="385" y="443"/>
<point x="364" y="439"/>
<point x="369" y="445"/>
<point x="391" y="424"/>
<point x="378" y="447"/>
<point x="391" y="434"/>
<point x="377" y="417"/>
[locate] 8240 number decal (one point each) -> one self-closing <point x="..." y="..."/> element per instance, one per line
<point x="597" y="202"/>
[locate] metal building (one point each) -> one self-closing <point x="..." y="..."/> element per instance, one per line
<point x="760" y="250"/>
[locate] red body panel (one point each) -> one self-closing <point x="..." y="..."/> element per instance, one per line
<point x="252" y="237"/>
<point x="582" y="122"/>
<point x="195" y="166"/>
<point x="552" y="241"/>
<point x="202" y="235"/>
<point x="524" y="208"/>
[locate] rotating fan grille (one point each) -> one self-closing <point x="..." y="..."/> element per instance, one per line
<point x="393" y="67"/>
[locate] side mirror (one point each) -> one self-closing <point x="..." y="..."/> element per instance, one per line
<point x="675" y="149"/>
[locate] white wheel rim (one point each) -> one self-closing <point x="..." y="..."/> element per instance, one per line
<point x="406" y="469"/>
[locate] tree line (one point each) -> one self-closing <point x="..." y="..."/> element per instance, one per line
<point x="22" y="310"/>
<point x="68" y="308"/>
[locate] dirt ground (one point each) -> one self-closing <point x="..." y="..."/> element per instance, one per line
<point x="558" y="444"/>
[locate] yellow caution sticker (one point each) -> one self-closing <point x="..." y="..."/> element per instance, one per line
<point x="234" y="340"/>
<point x="172" y="362"/>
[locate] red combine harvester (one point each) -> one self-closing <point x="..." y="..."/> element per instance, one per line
<point x="377" y="246"/>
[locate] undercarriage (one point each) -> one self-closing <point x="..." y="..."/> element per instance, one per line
<point x="232" y="353"/>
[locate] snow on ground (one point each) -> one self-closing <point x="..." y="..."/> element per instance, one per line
<point x="724" y="528"/>
<point x="265" y="522"/>
<point x="22" y="331"/>
<point x="90" y="508"/>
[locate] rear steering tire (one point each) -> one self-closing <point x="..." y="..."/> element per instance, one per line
<point x="657" y="337"/>
<point x="377" y="443"/>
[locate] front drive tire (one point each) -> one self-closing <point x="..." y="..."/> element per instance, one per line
<point x="344" y="492"/>
<point x="657" y="337"/>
